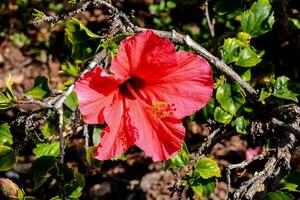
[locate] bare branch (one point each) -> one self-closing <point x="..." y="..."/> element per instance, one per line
<point x="209" y="22"/>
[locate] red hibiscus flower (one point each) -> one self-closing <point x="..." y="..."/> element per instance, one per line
<point x="151" y="88"/>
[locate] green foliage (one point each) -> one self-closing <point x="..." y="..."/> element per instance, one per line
<point x="291" y="182"/>
<point x="7" y="156"/>
<point x="281" y="89"/>
<point x="238" y="51"/>
<point x="204" y="187"/>
<point x="230" y="97"/>
<point x="40" y="170"/>
<point x="96" y="134"/>
<point x="279" y="195"/>
<point x="5" y="135"/>
<point x="72" y="101"/>
<point x="71" y="70"/>
<point x="47" y="149"/>
<point x="38" y="14"/>
<point x="162" y="12"/>
<point x="222" y="116"/>
<point x="74" y="189"/>
<point x="240" y="124"/>
<point x="259" y="19"/>
<point x="181" y="159"/>
<point x="20" y="39"/>
<point x="202" y="179"/>
<point x="207" y="168"/>
<point x="84" y="42"/>
<point x="7" y="98"/>
<point x="40" y="88"/>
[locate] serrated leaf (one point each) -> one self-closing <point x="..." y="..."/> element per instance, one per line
<point x="47" y="149"/>
<point x="40" y="170"/>
<point x="84" y="42"/>
<point x="204" y="187"/>
<point x="40" y="89"/>
<point x="72" y="101"/>
<point x="240" y="124"/>
<point x="181" y="159"/>
<point x="207" y="168"/>
<point x="291" y="182"/>
<point x="281" y="89"/>
<point x="248" y="58"/>
<point x="230" y="97"/>
<point x="7" y="158"/>
<point x="222" y="116"/>
<point x="259" y="19"/>
<point x="278" y="195"/>
<point x="6" y="138"/>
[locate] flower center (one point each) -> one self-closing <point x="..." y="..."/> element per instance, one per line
<point x="159" y="109"/>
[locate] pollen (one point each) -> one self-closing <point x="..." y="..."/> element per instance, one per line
<point x="162" y="109"/>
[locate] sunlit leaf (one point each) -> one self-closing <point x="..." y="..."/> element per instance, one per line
<point x="259" y="19"/>
<point x="40" y="89"/>
<point x="47" y="149"/>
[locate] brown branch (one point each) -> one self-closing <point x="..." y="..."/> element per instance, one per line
<point x="209" y="22"/>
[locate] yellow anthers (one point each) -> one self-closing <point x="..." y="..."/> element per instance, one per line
<point x="161" y="109"/>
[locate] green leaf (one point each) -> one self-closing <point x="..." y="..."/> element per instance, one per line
<point x="230" y="49"/>
<point x="181" y="159"/>
<point x="281" y="89"/>
<point x="291" y="182"/>
<point x="70" y="69"/>
<point x="72" y="101"/>
<point x="264" y="95"/>
<point x="222" y="116"/>
<point x="40" y="170"/>
<point x="38" y="14"/>
<point x="208" y="110"/>
<point x="204" y="187"/>
<point x="47" y="149"/>
<point x="110" y="47"/>
<point x="207" y="168"/>
<point x="259" y="19"/>
<point x="74" y="189"/>
<point x="40" y="89"/>
<point x="84" y="42"/>
<point x="248" y="58"/>
<point x="278" y="195"/>
<point x="240" y="124"/>
<point x="246" y="74"/>
<point x="295" y="22"/>
<point x="9" y="84"/>
<point x="96" y="135"/>
<point x="230" y="97"/>
<point x="6" y="138"/>
<point x="5" y="102"/>
<point x="7" y="158"/>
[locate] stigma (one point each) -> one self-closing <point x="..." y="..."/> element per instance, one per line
<point x="161" y="109"/>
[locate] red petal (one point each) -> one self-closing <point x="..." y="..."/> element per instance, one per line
<point x="159" y="138"/>
<point x="145" y="55"/>
<point x="188" y="85"/>
<point x="95" y="91"/>
<point x="119" y="135"/>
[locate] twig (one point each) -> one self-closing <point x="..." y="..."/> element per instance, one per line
<point x="209" y="22"/>
<point x="285" y="126"/>
<point x="241" y="165"/>
<point x="61" y="134"/>
<point x="86" y="136"/>
<point x="62" y="16"/>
